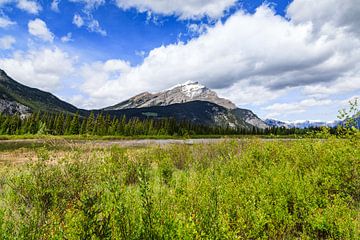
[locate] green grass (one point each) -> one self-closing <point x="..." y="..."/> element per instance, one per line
<point x="306" y="189"/>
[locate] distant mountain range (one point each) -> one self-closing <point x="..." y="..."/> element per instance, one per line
<point x="305" y="123"/>
<point x="190" y="101"/>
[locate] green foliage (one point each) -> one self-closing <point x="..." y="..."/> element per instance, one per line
<point x="351" y="120"/>
<point x="304" y="189"/>
<point x="104" y="125"/>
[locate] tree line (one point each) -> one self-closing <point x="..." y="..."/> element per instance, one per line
<point x="102" y="124"/>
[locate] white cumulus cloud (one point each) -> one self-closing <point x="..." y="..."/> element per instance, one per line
<point x="185" y="9"/>
<point x="327" y="13"/>
<point x="39" y="29"/>
<point x="32" y="7"/>
<point x="261" y="51"/>
<point x="105" y="74"/>
<point x="39" y="68"/>
<point x="296" y="107"/>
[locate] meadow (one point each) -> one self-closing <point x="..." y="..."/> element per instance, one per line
<point x="234" y="189"/>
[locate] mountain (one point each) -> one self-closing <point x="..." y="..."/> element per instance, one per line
<point x="190" y="101"/>
<point x="192" y="92"/>
<point x="181" y="93"/>
<point x="301" y="124"/>
<point x="18" y="98"/>
<point x="249" y="117"/>
<point x="199" y="112"/>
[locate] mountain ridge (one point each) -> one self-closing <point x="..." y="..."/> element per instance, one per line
<point x="16" y="97"/>
<point x="301" y="123"/>
<point x="180" y="93"/>
<point x="199" y="112"/>
<point x="188" y="92"/>
<point x="190" y="101"/>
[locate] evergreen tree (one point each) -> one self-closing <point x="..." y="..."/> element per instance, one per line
<point x="83" y="126"/>
<point x="67" y="124"/>
<point x="59" y="124"/>
<point x="90" y="124"/>
<point x="74" y="125"/>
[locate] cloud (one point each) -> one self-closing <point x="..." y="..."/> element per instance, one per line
<point x="91" y="24"/>
<point x="55" y="5"/>
<point x="345" y="84"/>
<point x="105" y="74"/>
<point x="324" y="14"/>
<point x="296" y="107"/>
<point x="32" y="7"/>
<point x="39" y="68"/>
<point x="186" y="9"/>
<point x="67" y="38"/>
<point x="197" y="29"/>
<point x="90" y="4"/>
<point x="141" y="53"/>
<point x="244" y="94"/>
<point x="259" y="51"/>
<point x="6" y="42"/>
<point x="39" y="29"/>
<point x="5" y="22"/>
<point x="78" y="21"/>
<point x="94" y="26"/>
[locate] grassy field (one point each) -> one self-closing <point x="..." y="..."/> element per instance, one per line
<point x="250" y="189"/>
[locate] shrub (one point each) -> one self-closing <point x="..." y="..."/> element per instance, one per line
<point x="248" y="189"/>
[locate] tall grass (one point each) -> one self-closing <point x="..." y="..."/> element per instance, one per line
<point x="303" y="189"/>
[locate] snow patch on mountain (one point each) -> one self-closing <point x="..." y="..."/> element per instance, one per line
<point x="301" y="123"/>
<point x="180" y="93"/>
<point x="189" y="92"/>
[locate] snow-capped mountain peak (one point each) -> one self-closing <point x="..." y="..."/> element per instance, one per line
<point x="301" y="123"/>
<point x="192" y="89"/>
<point x="180" y="93"/>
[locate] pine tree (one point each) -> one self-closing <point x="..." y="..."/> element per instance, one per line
<point x="67" y="124"/>
<point x="83" y="126"/>
<point x="90" y="124"/>
<point x="59" y="124"/>
<point x="74" y="125"/>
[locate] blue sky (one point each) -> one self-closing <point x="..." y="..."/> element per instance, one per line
<point x="288" y="60"/>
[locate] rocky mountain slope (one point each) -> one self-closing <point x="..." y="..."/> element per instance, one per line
<point x="9" y="106"/>
<point x="190" y="92"/>
<point x="182" y="93"/>
<point x="199" y="112"/>
<point x="18" y="98"/>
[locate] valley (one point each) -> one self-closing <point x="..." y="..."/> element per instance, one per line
<point x="191" y="120"/>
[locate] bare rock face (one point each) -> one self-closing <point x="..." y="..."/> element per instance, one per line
<point x="12" y="107"/>
<point x="191" y="92"/>
<point x="181" y="93"/>
<point x="18" y="98"/>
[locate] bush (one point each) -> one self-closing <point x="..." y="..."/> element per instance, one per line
<point x="249" y="189"/>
